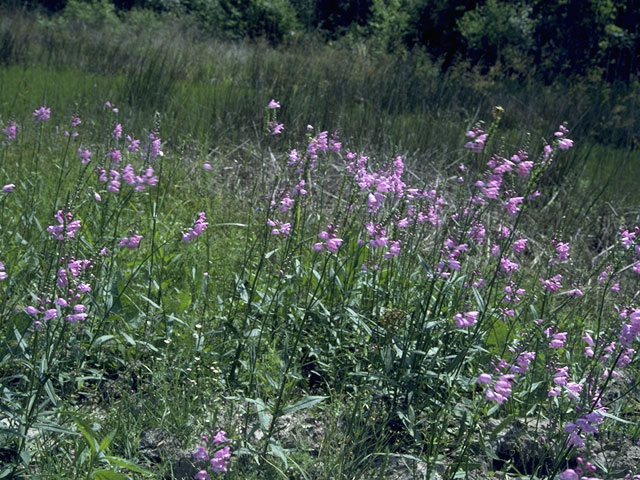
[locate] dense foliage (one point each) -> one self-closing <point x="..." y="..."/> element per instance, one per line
<point x="547" y="38"/>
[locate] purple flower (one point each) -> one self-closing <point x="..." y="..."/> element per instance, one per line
<point x="220" y="437"/>
<point x="11" y="131"/>
<point x="84" y="154"/>
<point x="484" y="378"/>
<point x="565" y="143"/>
<point x="569" y="474"/>
<point x="562" y="251"/>
<point x="465" y="320"/>
<point x="66" y="228"/>
<point x="512" y="205"/>
<point x="155" y="148"/>
<point x="8" y="188"/>
<point x="42" y="114"/>
<point x="134" y="144"/>
<point x="51" y="313"/>
<point x="273" y="104"/>
<point x="220" y="460"/>
<point x="553" y="284"/>
<point x="478" y="137"/>
<point x="558" y="340"/>
<point x="333" y="244"/>
<point x="201" y="454"/>
<point x="520" y="245"/>
<point x="117" y="131"/>
<point x="202" y="475"/>
<point x="275" y="128"/>
<point x="130" y="242"/>
<point x="76" y="317"/>
<point x="30" y="310"/>
<point x="198" y="228"/>
<point x="507" y="266"/>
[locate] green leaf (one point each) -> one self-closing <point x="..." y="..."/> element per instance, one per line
<point x="277" y="450"/>
<point x="103" y="339"/>
<point x="108" y="475"/>
<point x="106" y="441"/>
<point x="53" y="427"/>
<point x="306" y="402"/>
<point x="617" y="419"/>
<point x="479" y="299"/>
<point x="128" y="338"/>
<point x="87" y="433"/>
<point x="128" y="464"/>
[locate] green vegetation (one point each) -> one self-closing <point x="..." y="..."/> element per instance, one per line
<point x="440" y="289"/>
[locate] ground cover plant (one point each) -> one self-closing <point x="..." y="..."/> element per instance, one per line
<point x="409" y="319"/>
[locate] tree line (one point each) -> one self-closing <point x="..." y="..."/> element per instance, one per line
<point x="543" y="38"/>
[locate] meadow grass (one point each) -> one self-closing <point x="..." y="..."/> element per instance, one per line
<point x="305" y="304"/>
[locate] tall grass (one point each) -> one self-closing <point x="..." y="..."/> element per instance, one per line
<point x="209" y="90"/>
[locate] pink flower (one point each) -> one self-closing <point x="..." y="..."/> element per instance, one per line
<point x="76" y="317"/>
<point x="8" y="188"/>
<point x="562" y="250"/>
<point x="553" y="284"/>
<point x="130" y="242"/>
<point x="134" y="144"/>
<point x="275" y="128"/>
<point x="42" y="114"/>
<point x="569" y="474"/>
<point x="11" y="131"/>
<point x="198" y="228"/>
<point x="565" y="143"/>
<point x="220" y="437"/>
<point x="465" y="320"/>
<point x="66" y="228"/>
<point x="520" y="245"/>
<point x="558" y="340"/>
<point x="333" y="244"/>
<point x="507" y="266"/>
<point x="220" y="460"/>
<point x="512" y="205"/>
<point x="201" y="454"/>
<point x="202" y="475"/>
<point x="273" y="104"/>
<point x="84" y="154"/>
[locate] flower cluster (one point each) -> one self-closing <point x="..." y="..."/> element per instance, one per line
<point x="10" y="131"/>
<point x="219" y="461"/>
<point x="69" y="302"/>
<point x="466" y="320"/>
<point x="328" y="239"/>
<point x="66" y="227"/>
<point x="42" y="114"/>
<point x="199" y="226"/>
<point x="131" y="242"/>
<point x="478" y="139"/>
